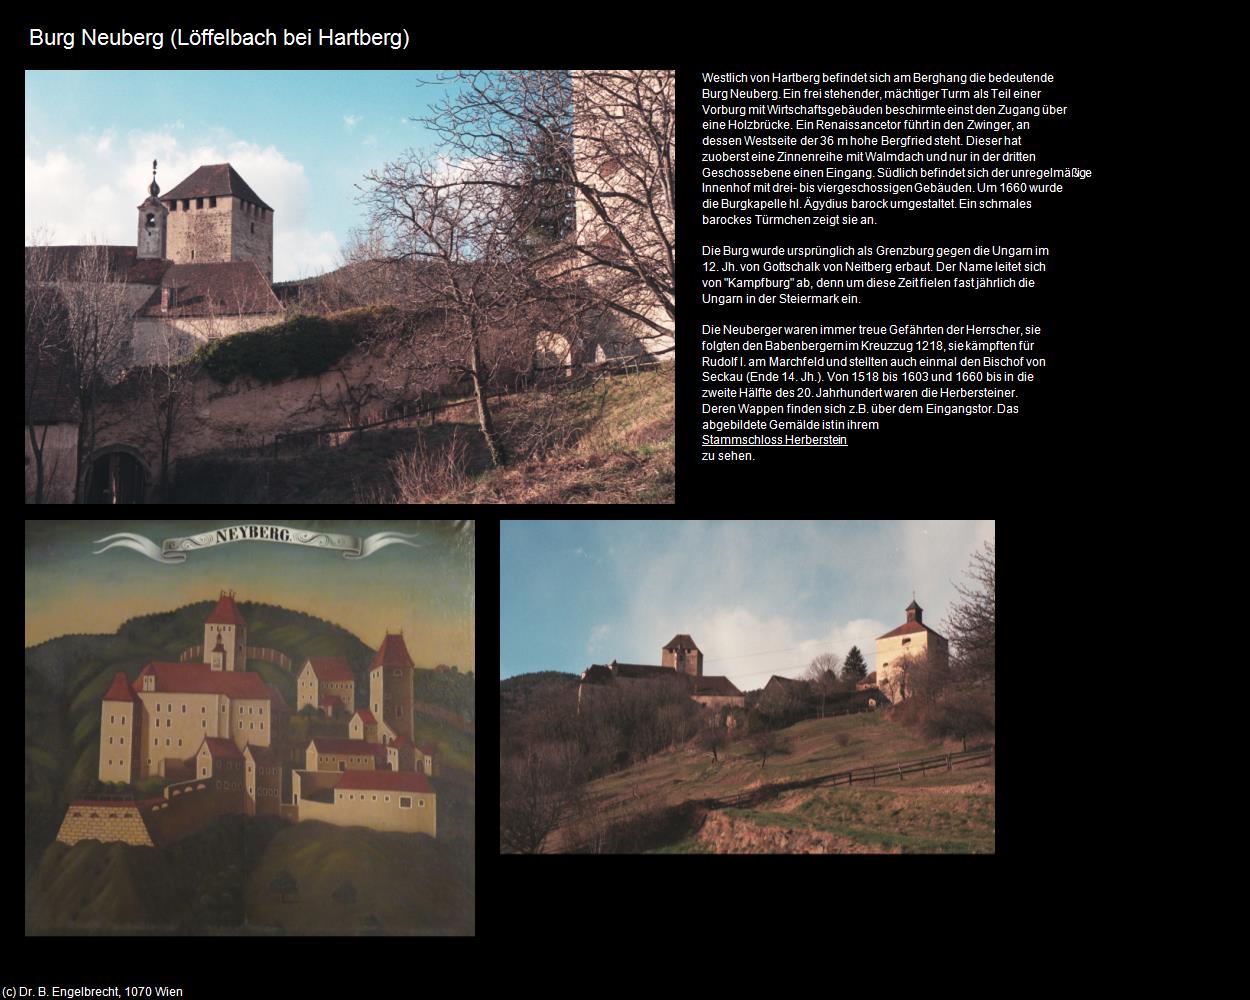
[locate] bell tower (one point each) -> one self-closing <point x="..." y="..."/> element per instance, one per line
<point x="152" y="218"/>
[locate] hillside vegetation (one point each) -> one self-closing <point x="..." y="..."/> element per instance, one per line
<point x="943" y="812"/>
<point x="609" y="441"/>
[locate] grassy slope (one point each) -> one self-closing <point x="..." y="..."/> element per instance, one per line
<point x="608" y="443"/>
<point x="914" y="815"/>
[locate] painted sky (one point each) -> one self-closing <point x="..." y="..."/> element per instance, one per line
<point x="426" y="591"/>
<point x="758" y="597"/>
<point x="302" y="140"/>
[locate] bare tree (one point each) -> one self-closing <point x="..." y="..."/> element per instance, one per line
<point x="714" y="738"/>
<point x="166" y="384"/>
<point x="822" y="677"/>
<point x="50" y="384"/>
<point x="606" y="136"/>
<point x="970" y="625"/>
<point x="533" y="793"/>
<point x="961" y="714"/>
<point x="767" y="743"/>
<point x="455" y="240"/>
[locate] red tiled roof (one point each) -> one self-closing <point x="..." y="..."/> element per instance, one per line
<point x="401" y="741"/>
<point x="213" y="179"/>
<point x="392" y="653"/>
<point x="226" y="613"/>
<point x="331" y="668"/>
<point x="906" y="629"/>
<point x="681" y="642"/>
<point x="200" y="678"/>
<point x="333" y="701"/>
<point x="222" y="748"/>
<point x="326" y="744"/>
<point x="262" y="755"/>
<point x="366" y="717"/>
<point x="120" y="691"/>
<point x="386" y="781"/>
<point x="221" y="288"/>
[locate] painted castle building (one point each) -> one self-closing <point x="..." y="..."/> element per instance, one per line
<point x="680" y="659"/>
<point x="912" y="640"/>
<point x="218" y="734"/>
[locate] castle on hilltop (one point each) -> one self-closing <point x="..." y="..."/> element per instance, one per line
<point x="680" y="659"/>
<point x="220" y="736"/>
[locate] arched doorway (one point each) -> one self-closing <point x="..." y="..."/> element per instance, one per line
<point x="117" y="476"/>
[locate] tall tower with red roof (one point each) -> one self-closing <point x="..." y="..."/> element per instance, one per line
<point x="390" y="688"/>
<point x="227" y="624"/>
<point x="119" y="731"/>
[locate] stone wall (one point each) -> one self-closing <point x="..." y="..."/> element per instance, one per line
<point x="251" y="236"/>
<point x="200" y="235"/>
<point x="189" y="807"/>
<point x="106" y="822"/>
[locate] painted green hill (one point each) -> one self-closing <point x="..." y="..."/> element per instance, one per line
<point x="220" y="880"/>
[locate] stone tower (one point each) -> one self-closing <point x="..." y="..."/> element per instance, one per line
<point x="215" y="216"/>
<point x="683" y="656"/>
<point x="153" y="219"/>
<point x="227" y="625"/>
<point x="390" y="688"/>
<point x="913" y="644"/>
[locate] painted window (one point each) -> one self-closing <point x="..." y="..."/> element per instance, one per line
<point x="166" y="741"/>
<point x="405" y="802"/>
<point x="155" y="742"/>
<point x="203" y="710"/>
<point x="184" y="708"/>
<point x="203" y="723"/>
<point x="203" y="772"/>
<point x="121" y="740"/>
<point x="110" y="741"/>
<point x="110" y="720"/>
<point x="420" y="803"/>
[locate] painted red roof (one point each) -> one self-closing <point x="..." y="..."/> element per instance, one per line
<point x="222" y="748"/>
<point x="401" y="741"/>
<point x="200" y="678"/>
<point x="226" y="613"/>
<point x="327" y="744"/>
<point x="120" y="690"/>
<point x="333" y="701"/>
<point x="107" y="803"/>
<point x="386" y="781"/>
<point x="331" y="668"/>
<point x="906" y="629"/>
<point x="392" y="653"/>
<point x="366" y="717"/>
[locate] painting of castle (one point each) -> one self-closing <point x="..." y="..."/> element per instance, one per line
<point x="272" y="759"/>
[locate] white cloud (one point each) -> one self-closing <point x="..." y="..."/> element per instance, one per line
<point x="351" y="121"/>
<point x="95" y="186"/>
<point x="598" y="634"/>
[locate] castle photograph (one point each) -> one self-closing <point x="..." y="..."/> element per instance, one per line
<point x="256" y="299"/>
<point x="263" y="718"/>
<point x="839" y="698"/>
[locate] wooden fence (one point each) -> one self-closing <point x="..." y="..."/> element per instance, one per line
<point x="873" y="774"/>
<point x="193" y="653"/>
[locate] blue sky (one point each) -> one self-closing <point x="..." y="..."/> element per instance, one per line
<point x="758" y="597"/>
<point x="300" y="139"/>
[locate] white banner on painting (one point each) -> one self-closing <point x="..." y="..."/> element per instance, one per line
<point x="174" y="550"/>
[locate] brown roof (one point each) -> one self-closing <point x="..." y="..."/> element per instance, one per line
<point x="681" y="642"/>
<point x="122" y="263"/>
<point x="392" y="653"/>
<point x="200" y="678"/>
<point x="327" y="744"/>
<point x="332" y="701"/>
<point x="386" y="781"/>
<point x="214" y="179"/>
<point x="331" y="668"/>
<point x="226" y="613"/>
<point x="234" y="287"/>
<point x="366" y="716"/>
<point x="871" y="678"/>
<point x="642" y="670"/>
<point x="907" y="628"/>
<point x="784" y="681"/>
<point x="218" y="747"/>
<point x="262" y="755"/>
<point x="714" y="685"/>
<point x="597" y="674"/>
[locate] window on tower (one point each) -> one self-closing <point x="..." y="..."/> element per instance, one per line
<point x="199" y="202"/>
<point x="151" y="219"/>
<point x="186" y="204"/>
<point x="212" y="202"/>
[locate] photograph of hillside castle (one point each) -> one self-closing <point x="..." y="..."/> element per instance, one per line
<point x="828" y="687"/>
<point x="382" y="287"/>
<point x="284" y="757"/>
